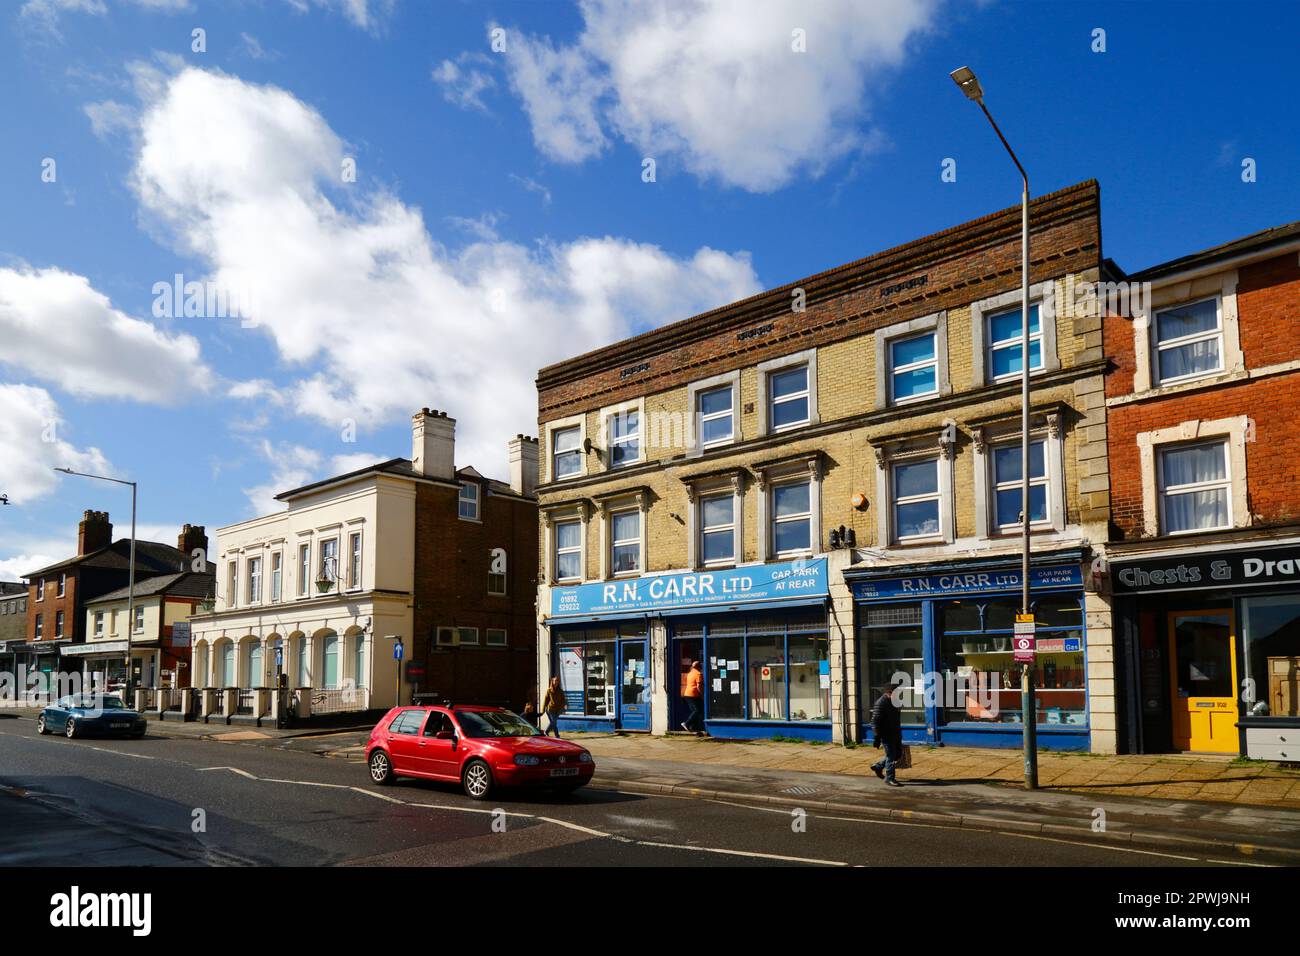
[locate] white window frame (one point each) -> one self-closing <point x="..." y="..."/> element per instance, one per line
<point x="911" y="451"/>
<point x="277" y="577"/>
<point x="323" y="556"/>
<point x="63" y="584"/>
<point x="936" y="325"/>
<point x="995" y="486"/>
<point x="462" y="640"/>
<point x="1048" y="430"/>
<point x="253" y="577"/>
<point x="806" y="516"/>
<point x="1234" y="430"/>
<point x="701" y="417"/>
<point x="1177" y="290"/>
<point x="694" y="436"/>
<point x="60" y="619"/>
<point x="304" y="569"/>
<point x="638" y="541"/>
<point x="38" y="626"/>
<point x="489" y="640"/>
<point x="232" y="583"/>
<point x="635" y="436"/>
<point x="556" y="550"/>
<point x="445" y="631"/>
<point x="704" y="529"/>
<point x="764" y="404"/>
<point x="356" y="560"/>
<point x="1041" y="294"/>
<point x="473" y="500"/>
<point x="1016" y="341"/>
<point x="1217" y="334"/>
<point x="936" y="496"/>
<point x="40" y="589"/>
<point x="99" y="624"/>
<point x="137" y="626"/>
<point x="553" y="431"/>
<point x="895" y="368"/>
<point x="1164" y="491"/>
<point x="804" y="395"/>
<point x="505" y="583"/>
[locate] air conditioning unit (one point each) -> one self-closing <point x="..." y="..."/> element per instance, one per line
<point x="448" y="637"/>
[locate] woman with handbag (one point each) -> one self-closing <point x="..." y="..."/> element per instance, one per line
<point x="887" y="732"/>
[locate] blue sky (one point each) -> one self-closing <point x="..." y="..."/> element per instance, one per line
<point x="499" y="220"/>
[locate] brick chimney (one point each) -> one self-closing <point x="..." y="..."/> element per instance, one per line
<point x="523" y="464"/>
<point x="192" y="536"/>
<point x="433" y="444"/>
<point x="94" y="531"/>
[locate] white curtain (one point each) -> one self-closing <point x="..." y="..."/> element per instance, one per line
<point x="1196" y="509"/>
<point x="1189" y="359"/>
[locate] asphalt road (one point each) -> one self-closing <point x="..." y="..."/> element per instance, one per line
<point x="176" y="802"/>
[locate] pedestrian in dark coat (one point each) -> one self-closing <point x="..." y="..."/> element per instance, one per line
<point x="887" y="731"/>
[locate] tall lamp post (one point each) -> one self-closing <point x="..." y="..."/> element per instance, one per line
<point x="130" y="574"/>
<point x="965" y="79"/>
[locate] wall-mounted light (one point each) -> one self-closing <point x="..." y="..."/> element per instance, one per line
<point x="859" y="502"/>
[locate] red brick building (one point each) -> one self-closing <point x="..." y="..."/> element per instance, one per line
<point x="1202" y="397"/>
<point x="57" y="594"/>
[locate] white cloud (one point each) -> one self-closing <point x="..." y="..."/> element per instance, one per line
<point x="58" y="328"/>
<point x="367" y="14"/>
<point x="291" y="466"/>
<point x="32" y="445"/>
<point x="352" y="287"/>
<point x="717" y="84"/>
<point x="46" y="13"/>
<point x="465" y="81"/>
<point x="109" y="117"/>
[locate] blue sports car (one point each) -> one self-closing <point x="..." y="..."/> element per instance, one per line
<point x="102" y="714"/>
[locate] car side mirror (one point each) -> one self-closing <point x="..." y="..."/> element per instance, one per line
<point x="445" y="735"/>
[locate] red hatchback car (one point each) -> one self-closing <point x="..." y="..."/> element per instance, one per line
<point x="479" y="747"/>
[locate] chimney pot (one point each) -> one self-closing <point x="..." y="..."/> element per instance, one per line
<point x="523" y="465"/>
<point x="433" y="444"/>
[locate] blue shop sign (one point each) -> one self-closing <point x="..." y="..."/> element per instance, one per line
<point x="791" y="580"/>
<point x="966" y="582"/>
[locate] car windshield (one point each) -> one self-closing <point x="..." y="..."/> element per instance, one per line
<point x="105" y="703"/>
<point x="494" y="723"/>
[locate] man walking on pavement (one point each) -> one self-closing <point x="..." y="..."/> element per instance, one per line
<point x="694" y="696"/>
<point x="887" y="730"/>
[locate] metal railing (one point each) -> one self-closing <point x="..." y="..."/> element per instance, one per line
<point x="247" y="702"/>
<point x="339" y="700"/>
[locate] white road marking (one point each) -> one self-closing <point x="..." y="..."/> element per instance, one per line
<point x="746" y="853"/>
<point x="640" y="822"/>
<point x="120" y="753"/>
<point x="1026" y="836"/>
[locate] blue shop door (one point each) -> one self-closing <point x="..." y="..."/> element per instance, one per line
<point x="634" y="687"/>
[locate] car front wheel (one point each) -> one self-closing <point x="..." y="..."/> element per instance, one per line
<point x="70" y="728"/>
<point x="381" y="768"/>
<point x="477" y="780"/>
<point x="40" y="725"/>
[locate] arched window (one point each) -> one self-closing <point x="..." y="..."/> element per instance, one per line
<point x="199" y="678"/>
<point x="300" y="653"/>
<point x="256" y="673"/>
<point x="359" y="659"/>
<point x="330" y="660"/>
<point x="228" y="664"/>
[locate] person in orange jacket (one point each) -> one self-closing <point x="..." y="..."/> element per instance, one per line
<point x="694" y="696"/>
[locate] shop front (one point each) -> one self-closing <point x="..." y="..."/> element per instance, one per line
<point x="943" y="635"/>
<point x="1213" y="642"/>
<point x="103" y="664"/>
<point x="622" y="650"/>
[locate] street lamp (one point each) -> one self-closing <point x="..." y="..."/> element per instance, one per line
<point x="130" y="573"/>
<point x="967" y="82"/>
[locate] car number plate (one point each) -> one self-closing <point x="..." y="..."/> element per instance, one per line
<point x="120" y="725"/>
<point x="565" y="772"/>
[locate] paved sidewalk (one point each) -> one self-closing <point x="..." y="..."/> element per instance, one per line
<point x="1166" y="777"/>
<point x="234" y="733"/>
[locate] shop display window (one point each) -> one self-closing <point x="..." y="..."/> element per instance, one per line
<point x="724" y="684"/>
<point x="891" y="639"/>
<point x="585" y="662"/>
<point x="981" y="679"/>
<point x="770" y="667"/>
<point x="1272" y="636"/>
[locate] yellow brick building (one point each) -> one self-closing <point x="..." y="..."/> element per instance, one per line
<point x="815" y="492"/>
